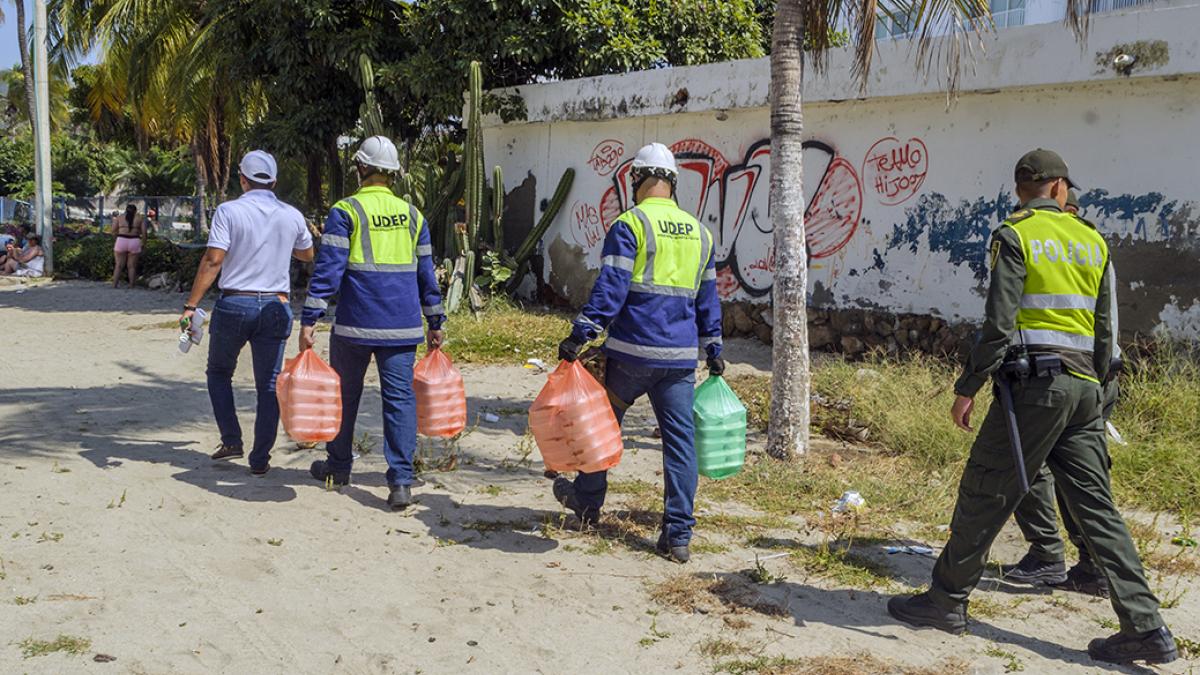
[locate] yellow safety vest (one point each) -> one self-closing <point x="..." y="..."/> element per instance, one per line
<point x="1065" y="259"/>
<point x="673" y="249"/>
<point x="386" y="230"/>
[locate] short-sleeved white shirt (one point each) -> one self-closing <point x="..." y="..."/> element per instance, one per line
<point x="258" y="232"/>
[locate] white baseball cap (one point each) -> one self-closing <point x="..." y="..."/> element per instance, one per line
<point x="258" y="166"/>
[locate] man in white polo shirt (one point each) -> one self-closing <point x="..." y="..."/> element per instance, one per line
<point x="250" y="244"/>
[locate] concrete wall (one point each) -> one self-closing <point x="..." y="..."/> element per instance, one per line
<point x="902" y="189"/>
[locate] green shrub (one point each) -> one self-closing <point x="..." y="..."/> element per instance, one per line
<point x="92" y="258"/>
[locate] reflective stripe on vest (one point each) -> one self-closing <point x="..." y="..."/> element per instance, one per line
<point x="335" y="240"/>
<point x="1057" y="338"/>
<point x="647" y="278"/>
<point x="363" y="257"/>
<point x="1065" y="260"/>
<point x="1057" y="301"/>
<point x="379" y="333"/>
<point x="654" y="353"/>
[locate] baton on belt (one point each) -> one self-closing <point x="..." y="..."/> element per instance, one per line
<point x="1004" y="386"/>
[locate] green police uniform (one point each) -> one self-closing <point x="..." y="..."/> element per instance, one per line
<point x="1037" y="515"/>
<point x="1047" y="290"/>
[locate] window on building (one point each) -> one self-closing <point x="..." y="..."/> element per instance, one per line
<point x="1008" y="12"/>
<point x="889" y="28"/>
<point x="1114" y="5"/>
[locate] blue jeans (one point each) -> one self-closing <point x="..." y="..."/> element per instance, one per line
<point x="672" y="392"/>
<point x="265" y="323"/>
<point x="395" y="365"/>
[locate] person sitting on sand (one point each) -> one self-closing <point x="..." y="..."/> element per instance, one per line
<point x="25" y="262"/>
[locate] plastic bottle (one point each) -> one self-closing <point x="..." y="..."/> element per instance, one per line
<point x="720" y="420"/>
<point x="573" y="422"/>
<point x="310" y="398"/>
<point x="441" y="397"/>
<point x="192" y="333"/>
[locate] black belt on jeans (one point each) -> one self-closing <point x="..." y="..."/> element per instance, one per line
<point x="279" y="295"/>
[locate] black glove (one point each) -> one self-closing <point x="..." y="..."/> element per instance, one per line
<point x="568" y="350"/>
<point x="716" y="366"/>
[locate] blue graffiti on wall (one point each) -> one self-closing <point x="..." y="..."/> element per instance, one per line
<point x="1143" y="211"/>
<point x="961" y="229"/>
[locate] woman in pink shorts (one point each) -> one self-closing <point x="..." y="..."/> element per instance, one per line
<point x="130" y="230"/>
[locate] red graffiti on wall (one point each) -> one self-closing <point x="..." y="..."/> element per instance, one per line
<point x="894" y="169"/>
<point x="731" y="199"/>
<point x="606" y="156"/>
<point x="586" y="227"/>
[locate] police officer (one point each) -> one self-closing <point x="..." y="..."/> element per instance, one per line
<point x="1048" y="294"/>
<point x="657" y="296"/>
<point x="376" y="257"/>
<point x="1036" y="514"/>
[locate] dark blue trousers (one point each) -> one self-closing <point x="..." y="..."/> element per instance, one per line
<point x="671" y="392"/>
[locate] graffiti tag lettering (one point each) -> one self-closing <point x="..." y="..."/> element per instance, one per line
<point x="731" y="199"/>
<point x="895" y="169"/>
<point x="586" y="227"/>
<point x="606" y="156"/>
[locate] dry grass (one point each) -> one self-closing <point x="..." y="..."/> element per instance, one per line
<point x="705" y="594"/>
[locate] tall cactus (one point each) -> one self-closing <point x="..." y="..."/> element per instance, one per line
<point x="369" y="113"/>
<point x="498" y="210"/>
<point x="475" y="180"/>
<point x="556" y="202"/>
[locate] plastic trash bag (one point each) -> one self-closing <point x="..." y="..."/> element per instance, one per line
<point x="573" y="422"/>
<point x="720" y="420"/>
<point x="310" y="398"/>
<point x="441" y="397"/>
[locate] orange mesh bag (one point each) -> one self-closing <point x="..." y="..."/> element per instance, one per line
<point x="573" y="422"/>
<point x="310" y="398"/>
<point x="441" y="397"/>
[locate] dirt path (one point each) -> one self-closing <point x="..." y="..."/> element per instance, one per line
<point x="115" y="527"/>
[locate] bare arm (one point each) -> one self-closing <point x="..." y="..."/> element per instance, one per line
<point x="34" y="252"/>
<point x="303" y="254"/>
<point x="206" y="275"/>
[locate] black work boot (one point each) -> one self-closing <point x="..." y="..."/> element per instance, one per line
<point x="400" y="497"/>
<point x="921" y="611"/>
<point x="320" y="471"/>
<point x="1156" y="646"/>
<point x="1081" y="580"/>
<point x="564" y="492"/>
<point x="679" y="554"/>
<point x="1034" y="571"/>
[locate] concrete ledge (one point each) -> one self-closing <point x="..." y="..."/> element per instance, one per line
<point x="1165" y="38"/>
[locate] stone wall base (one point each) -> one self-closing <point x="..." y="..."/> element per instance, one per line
<point x="855" y="332"/>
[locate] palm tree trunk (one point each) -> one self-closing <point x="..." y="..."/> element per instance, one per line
<point x="313" y="197"/>
<point x="26" y="62"/>
<point x="787" y="435"/>
<point x="337" y="182"/>
<point x="201" y="183"/>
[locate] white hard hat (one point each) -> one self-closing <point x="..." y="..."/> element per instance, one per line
<point x="379" y="152"/>
<point x="655" y="156"/>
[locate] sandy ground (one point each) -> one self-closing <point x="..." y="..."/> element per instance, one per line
<point x="122" y="531"/>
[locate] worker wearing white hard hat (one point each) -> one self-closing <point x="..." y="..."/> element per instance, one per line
<point x="377" y="257"/>
<point x="657" y="298"/>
